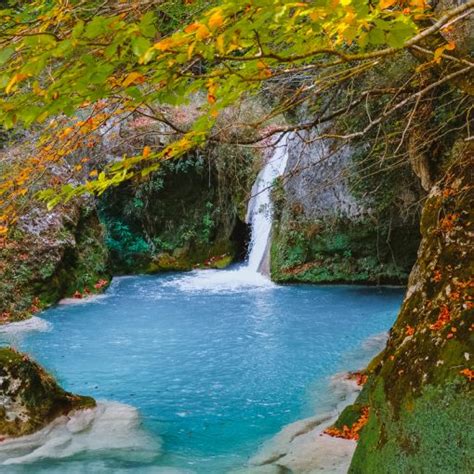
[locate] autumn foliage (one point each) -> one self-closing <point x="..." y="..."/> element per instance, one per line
<point x="72" y="71"/>
<point x="352" y="432"/>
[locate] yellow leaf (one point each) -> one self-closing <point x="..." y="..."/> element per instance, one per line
<point x="191" y="49"/>
<point x="166" y="44"/>
<point x="439" y="51"/>
<point x="17" y="78"/>
<point x="133" y="78"/>
<point x="216" y="20"/>
<point x="220" y="44"/>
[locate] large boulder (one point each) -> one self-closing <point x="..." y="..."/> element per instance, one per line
<point x="29" y="397"/>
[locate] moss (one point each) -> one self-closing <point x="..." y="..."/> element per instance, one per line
<point x="30" y="397"/>
<point x="221" y="261"/>
<point x="419" y="395"/>
<point x="432" y="435"/>
<point x="338" y="251"/>
<point x="349" y="415"/>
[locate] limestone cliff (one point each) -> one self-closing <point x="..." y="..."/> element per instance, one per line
<point x="332" y="225"/>
<point x="49" y="255"/>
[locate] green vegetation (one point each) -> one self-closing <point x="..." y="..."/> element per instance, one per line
<point x="183" y="216"/>
<point x="341" y="250"/>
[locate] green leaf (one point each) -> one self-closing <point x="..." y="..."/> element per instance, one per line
<point x="95" y="28"/>
<point x="77" y="30"/>
<point x="5" y="54"/>
<point x="140" y="46"/>
<point x="399" y="33"/>
<point x="376" y="36"/>
<point x="147" y="26"/>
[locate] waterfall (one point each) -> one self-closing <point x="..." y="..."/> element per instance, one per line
<point x="259" y="216"/>
<point x="259" y="213"/>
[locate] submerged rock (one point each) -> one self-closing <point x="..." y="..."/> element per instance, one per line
<point x="303" y="447"/>
<point x="29" y="397"/>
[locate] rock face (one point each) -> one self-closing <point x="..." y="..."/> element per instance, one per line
<point x="29" y="397"/>
<point x="419" y="391"/>
<point x="49" y="255"/>
<point x="328" y="228"/>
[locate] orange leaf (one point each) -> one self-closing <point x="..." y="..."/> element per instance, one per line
<point x="146" y="151"/>
<point x="216" y="20"/>
<point x="387" y="3"/>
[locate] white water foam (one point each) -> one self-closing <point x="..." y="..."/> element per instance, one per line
<point x="85" y="300"/>
<point x="222" y="281"/>
<point x="32" y="324"/>
<point x="110" y="427"/>
<point x="259" y="216"/>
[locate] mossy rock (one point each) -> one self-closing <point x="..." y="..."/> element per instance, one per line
<point x="39" y="268"/>
<point x="420" y="392"/>
<point x="339" y="251"/>
<point x="30" y="397"/>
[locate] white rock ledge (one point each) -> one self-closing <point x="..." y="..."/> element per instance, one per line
<point x="303" y="448"/>
<point x="109" y="428"/>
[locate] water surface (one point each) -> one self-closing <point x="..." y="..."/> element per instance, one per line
<point x="213" y="370"/>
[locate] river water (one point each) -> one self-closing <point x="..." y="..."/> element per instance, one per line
<point x="212" y="373"/>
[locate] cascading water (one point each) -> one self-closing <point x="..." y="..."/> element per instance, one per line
<point x="259" y="213"/>
<point x="259" y="216"/>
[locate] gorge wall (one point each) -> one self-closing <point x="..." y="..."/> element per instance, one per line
<point x="419" y="389"/>
<point x="331" y="225"/>
<point x="50" y="255"/>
